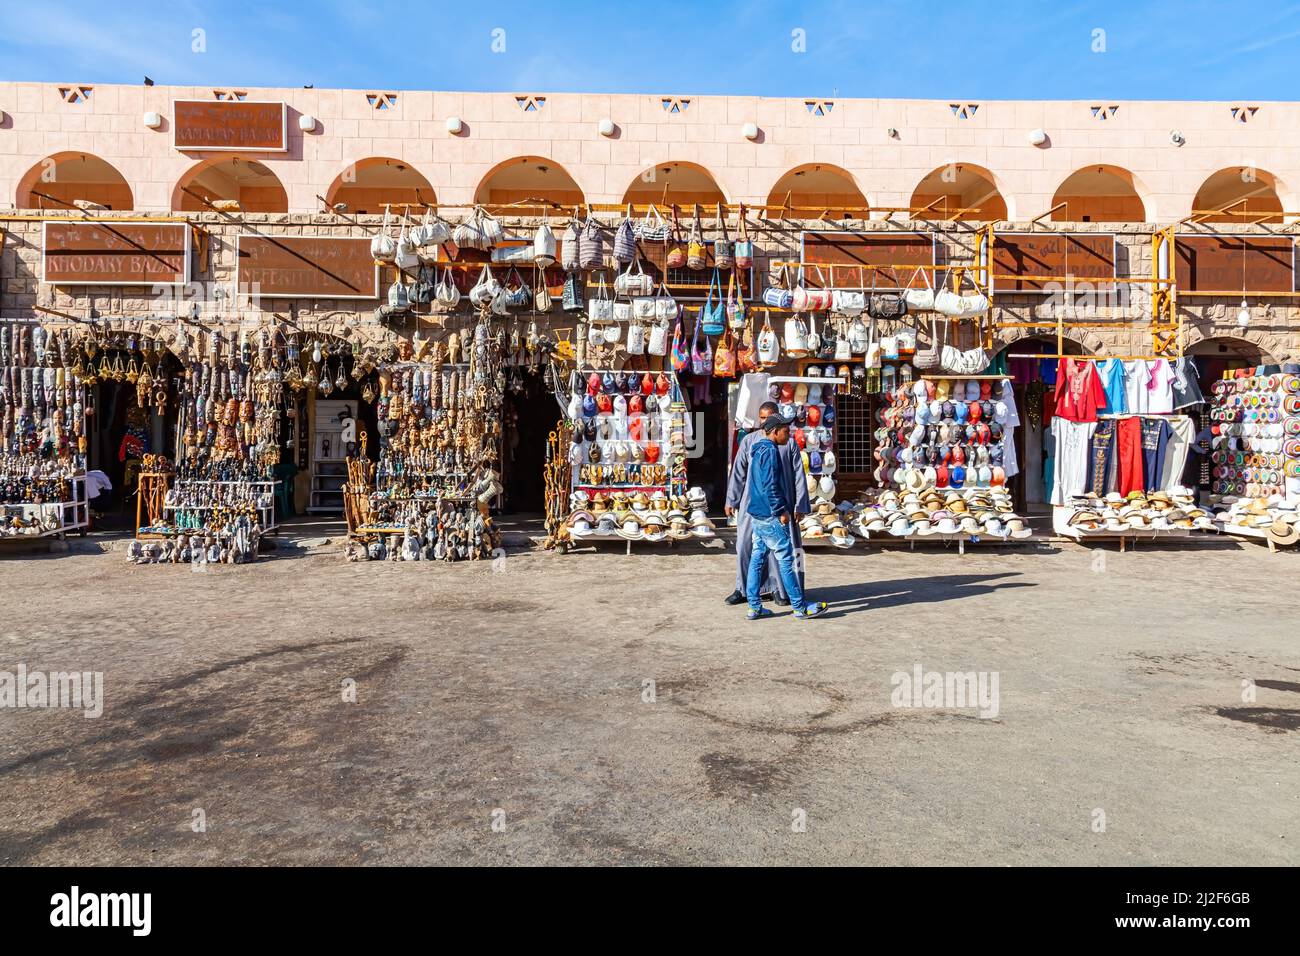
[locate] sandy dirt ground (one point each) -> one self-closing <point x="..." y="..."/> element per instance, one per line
<point x="596" y="708"/>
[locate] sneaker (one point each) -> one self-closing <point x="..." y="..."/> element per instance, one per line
<point x="815" y="609"/>
<point x="757" y="613"/>
<point x="734" y="598"/>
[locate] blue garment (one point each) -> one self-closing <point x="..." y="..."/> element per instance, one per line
<point x="771" y="535"/>
<point x="769" y="491"/>
<point x="1047" y="371"/>
<point x="1113" y="382"/>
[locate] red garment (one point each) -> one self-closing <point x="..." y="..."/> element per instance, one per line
<point x="1079" y="393"/>
<point x="1128" y="434"/>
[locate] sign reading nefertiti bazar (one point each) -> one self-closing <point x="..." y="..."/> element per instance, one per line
<point x="230" y="125"/>
<point x="320" y="267"/>
<point x="105" y="252"/>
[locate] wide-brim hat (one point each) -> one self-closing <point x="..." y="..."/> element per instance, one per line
<point x="631" y="530"/>
<point x="1283" y="532"/>
<point x="679" y="528"/>
<point x="841" y="538"/>
<point x="702" y="528"/>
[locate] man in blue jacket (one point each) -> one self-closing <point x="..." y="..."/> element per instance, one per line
<point x="771" y="511"/>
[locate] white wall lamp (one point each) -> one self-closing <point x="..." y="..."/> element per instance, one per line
<point x="455" y="125"/>
<point x="152" y="120"/>
<point x="606" y="127"/>
<point x="307" y="123"/>
<point x="750" y="131"/>
<point x="1177" y="138"/>
<point x="1037" y="137"/>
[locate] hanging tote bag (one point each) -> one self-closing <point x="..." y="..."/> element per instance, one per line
<point x="544" y="245"/>
<point x="843" y="348"/>
<point x="573" y="293"/>
<point x="625" y="241"/>
<point x="485" y="288"/>
<point x="724" y="358"/>
<point x="405" y="256"/>
<point x="796" y="336"/>
<point x="643" y="308"/>
<point x="622" y="309"/>
<point x="859" y="338"/>
<point x="518" y="295"/>
<point x="743" y="250"/>
<point x="382" y="246"/>
<point x="490" y="228"/>
<point x="666" y="307"/>
<point x="397" y="294"/>
<point x="635" y="338"/>
<point x="422" y="290"/>
<point x="735" y="303"/>
<point x="652" y="227"/>
<point x="677" y="248"/>
<point x="569" y="250"/>
<point x="778" y="294"/>
<point x="929" y="359"/>
<point x="713" y="314"/>
<point x="600" y="308"/>
<point x="628" y="282"/>
<point x="722" y="258"/>
<point x="769" y="346"/>
<point x="658" y="340"/>
<point x="922" y="299"/>
<point x="695" y="253"/>
<point x="747" y="359"/>
<point x="814" y="338"/>
<point x="591" y="245"/>
<point x="542" y="295"/>
<point x="448" y="295"/>
<point x="681" y="354"/>
<point x="701" y="356"/>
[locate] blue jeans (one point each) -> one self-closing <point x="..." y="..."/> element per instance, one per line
<point x="771" y="535"/>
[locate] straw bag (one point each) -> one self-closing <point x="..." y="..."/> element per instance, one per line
<point x="696" y="257"/>
<point x="677" y="249"/>
<point x="743" y="250"/>
<point x="382" y="246"/>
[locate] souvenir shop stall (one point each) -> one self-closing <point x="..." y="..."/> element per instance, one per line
<point x="438" y="408"/>
<point x="42" y="433"/>
<point x="1255" y="454"/>
<point x="1120" y="447"/>
<point x="214" y="501"/>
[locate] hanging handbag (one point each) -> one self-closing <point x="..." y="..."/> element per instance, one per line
<point x="652" y="227"/>
<point x="769" y="345"/>
<point x="569" y="250"/>
<point x="622" y="309"/>
<point x="382" y="246"/>
<point x="695" y="252"/>
<point x="814" y="338"/>
<point x="635" y="338"/>
<point x="724" y="357"/>
<point x="633" y="283"/>
<point x="625" y="241"/>
<point x="928" y="359"/>
<point x="658" y="342"/>
<point x="713" y="314"/>
<point x="859" y="338"/>
<point x="681" y="354"/>
<point x="885" y="305"/>
<point x="469" y="234"/>
<point x="591" y="245"/>
<point x="611" y="333"/>
<point x="405" y="257"/>
<point x="735" y="303"/>
<point x="843" y="348"/>
<point x="747" y="359"/>
<point x="544" y="245"/>
<point x="600" y="308"/>
<point x="518" y="296"/>
<point x="573" y="293"/>
<point x="743" y="250"/>
<point x="676" y="257"/>
<point x="919" y="300"/>
<point x="871" y="353"/>
<point x="485" y="288"/>
<point x="490" y="228"/>
<point x="542" y="295"/>
<point x="701" y="358"/>
<point x="422" y="291"/>
<point x="796" y="336"/>
<point x="666" y="307"/>
<point x="447" y="294"/>
<point x="722" y="258"/>
<point x="397" y="295"/>
<point x="778" y="294"/>
<point x="432" y="232"/>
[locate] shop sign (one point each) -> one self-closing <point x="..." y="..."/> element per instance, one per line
<point x="230" y="126"/>
<point x="104" y="252"/>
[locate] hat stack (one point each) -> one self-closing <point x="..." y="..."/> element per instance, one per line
<point x="1274" y="518"/>
<point x="1255" y="452"/>
<point x="973" y="512"/>
<point x="943" y="433"/>
<point x="811" y="410"/>
<point x="1137" y="512"/>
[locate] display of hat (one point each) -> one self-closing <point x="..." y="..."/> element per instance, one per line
<point x="841" y="538"/>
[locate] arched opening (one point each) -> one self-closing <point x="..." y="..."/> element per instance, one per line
<point x="816" y="186"/>
<point x="62" y="180"/>
<point x="959" y="191"/>
<point x="1242" y="193"/>
<point x="246" y="182"/>
<point x="1099" y="194"/>
<point x="528" y="177"/>
<point x="370" y="184"/>
<point x="680" y="183"/>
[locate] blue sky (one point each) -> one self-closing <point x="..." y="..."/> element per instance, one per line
<point x="1154" y="49"/>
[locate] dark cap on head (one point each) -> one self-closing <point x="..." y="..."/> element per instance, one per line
<point x="774" y="422"/>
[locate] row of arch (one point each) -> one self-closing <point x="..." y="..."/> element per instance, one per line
<point x="958" y="191"/>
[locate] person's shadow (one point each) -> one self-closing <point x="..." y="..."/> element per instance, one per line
<point x="878" y="595"/>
